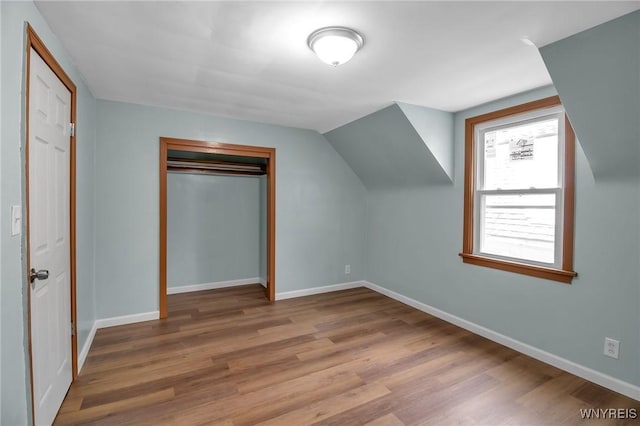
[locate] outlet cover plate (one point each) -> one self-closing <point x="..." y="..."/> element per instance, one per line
<point x="611" y="347"/>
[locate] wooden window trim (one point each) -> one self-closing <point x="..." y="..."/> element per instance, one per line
<point x="565" y="274"/>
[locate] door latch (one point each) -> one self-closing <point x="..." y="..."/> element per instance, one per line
<point x="42" y="274"/>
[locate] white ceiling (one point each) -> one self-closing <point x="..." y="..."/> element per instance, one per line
<point x="250" y="60"/>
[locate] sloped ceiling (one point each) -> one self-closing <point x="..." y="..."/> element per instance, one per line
<point x="436" y="131"/>
<point x="392" y="148"/>
<point x="597" y="75"/>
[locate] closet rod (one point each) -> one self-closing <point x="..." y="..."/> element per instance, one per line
<point x="186" y="170"/>
<point x="214" y="167"/>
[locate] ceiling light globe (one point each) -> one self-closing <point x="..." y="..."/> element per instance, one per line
<point x="335" y="45"/>
<point x="335" y="50"/>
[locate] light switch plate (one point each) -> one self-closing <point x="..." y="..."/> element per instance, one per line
<point x="16" y="220"/>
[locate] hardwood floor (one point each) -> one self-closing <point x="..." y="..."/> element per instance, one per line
<point x="227" y="357"/>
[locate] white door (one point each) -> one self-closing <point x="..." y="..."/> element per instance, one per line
<point x="49" y="143"/>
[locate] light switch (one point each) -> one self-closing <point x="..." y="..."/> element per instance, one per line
<point x="16" y="220"/>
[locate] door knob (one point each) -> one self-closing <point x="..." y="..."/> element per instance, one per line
<point x="42" y="274"/>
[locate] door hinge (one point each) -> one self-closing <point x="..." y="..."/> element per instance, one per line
<point x="72" y="129"/>
<point x="73" y="329"/>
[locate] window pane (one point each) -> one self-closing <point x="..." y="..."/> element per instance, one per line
<point x="519" y="226"/>
<point x="522" y="156"/>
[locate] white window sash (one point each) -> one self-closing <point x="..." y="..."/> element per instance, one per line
<point x="480" y="193"/>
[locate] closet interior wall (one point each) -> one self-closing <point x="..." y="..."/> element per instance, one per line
<point x="214" y="229"/>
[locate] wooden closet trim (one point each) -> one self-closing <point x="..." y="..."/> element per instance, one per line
<point x="173" y="144"/>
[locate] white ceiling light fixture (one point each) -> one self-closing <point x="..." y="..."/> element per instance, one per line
<point x="335" y="45"/>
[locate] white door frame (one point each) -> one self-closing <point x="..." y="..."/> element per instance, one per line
<point x="34" y="42"/>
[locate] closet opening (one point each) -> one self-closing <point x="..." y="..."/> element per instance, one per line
<point x="217" y="217"/>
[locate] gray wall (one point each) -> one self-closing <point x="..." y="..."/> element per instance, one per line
<point x="13" y="297"/>
<point x="606" y="117"/>
<point x="213" y="228"/>
<point x="85" y="212"/>
<point x="1" y="221"/>
<point x="320" y="202"/>
<point x="415" y="235"/>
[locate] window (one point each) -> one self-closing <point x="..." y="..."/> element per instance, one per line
<point x="519" y="190"/>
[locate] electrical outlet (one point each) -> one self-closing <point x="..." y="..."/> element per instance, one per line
<point x="347" y="269"/>
<point x="611" y="347"/>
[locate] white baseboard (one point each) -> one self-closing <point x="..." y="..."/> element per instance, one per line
<point x="587" y="373"/>
<point x="620" y="386"/>
<point x="127" y="319"/>
<point x="212" y="286"/>
<point x="82" y="356"/>
<point x="318" y="290"/>
<point x="263" y="282"/>
<point x="111" y="322"/>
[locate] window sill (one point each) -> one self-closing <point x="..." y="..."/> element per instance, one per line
<point x="520" y="268"/>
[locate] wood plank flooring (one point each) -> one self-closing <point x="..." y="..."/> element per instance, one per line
<point x="354" y="357"/>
